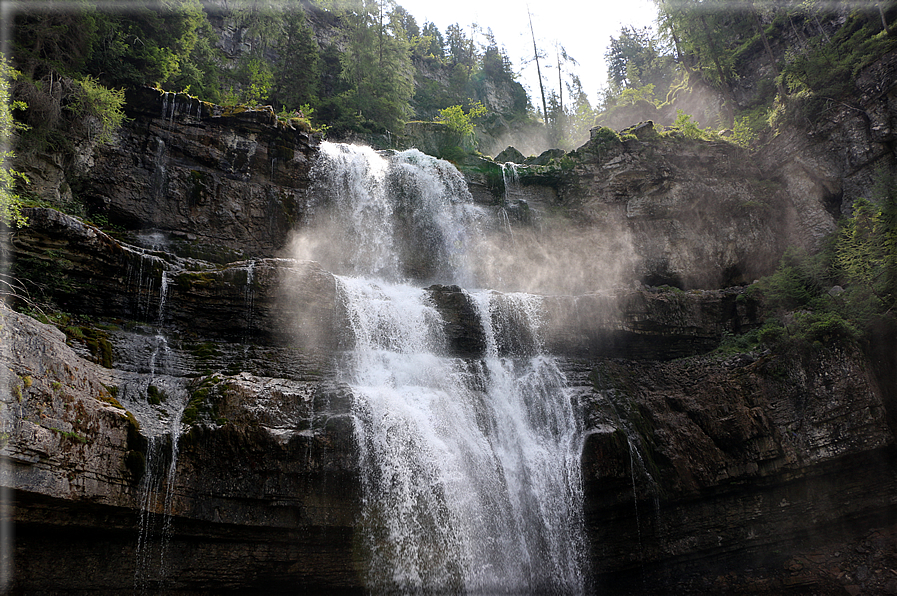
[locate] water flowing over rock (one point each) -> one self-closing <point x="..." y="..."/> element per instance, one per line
<point x="350" y="384"/>
<point x="470" y="474"/>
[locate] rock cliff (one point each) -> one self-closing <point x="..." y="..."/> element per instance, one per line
<point x="703" y="473"/>
<point x="202" y="179"/>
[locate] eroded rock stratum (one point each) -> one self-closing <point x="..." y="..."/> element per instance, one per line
<point x="706" y="473"/>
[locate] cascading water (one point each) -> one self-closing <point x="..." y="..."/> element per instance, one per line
<point x="156" y="490"/>
<point x="249" y="297"/>
<point x="394" y="217"/>
<point x="470" y="466"/>
<point x="160" y="398"/>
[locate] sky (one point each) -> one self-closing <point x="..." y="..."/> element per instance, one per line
<point x="583" y="27"/>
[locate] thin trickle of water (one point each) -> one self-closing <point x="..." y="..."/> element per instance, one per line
<point x="638" y="468"/>
<point x="140" y="279"/>
<point x="174" y="104"/>
<point x="155" y="498"/>
<point x="163" y="296"/>
<point x="510" y="178"/>
<point x="147" y="498"/>
<point x="249" y="297"/>
<point x="168" y="510"/>
<point x="505" y="221"/>
<point x="156" y="490"/>
<point x="160" y="347"/>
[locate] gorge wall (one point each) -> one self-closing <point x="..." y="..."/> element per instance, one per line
<point x="702" y="473"/>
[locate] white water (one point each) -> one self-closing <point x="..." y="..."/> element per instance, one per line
<point x="156" y="490"/>
<point x="392" y="216"/>
<point x="471" y="466"/>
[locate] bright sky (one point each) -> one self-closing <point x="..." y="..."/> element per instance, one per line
<point x="583" y="27"/>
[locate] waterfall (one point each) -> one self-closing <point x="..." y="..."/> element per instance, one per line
<point x="470" y="467"/>
<point x="165" y="398"/>
<point x="391" y="215"/>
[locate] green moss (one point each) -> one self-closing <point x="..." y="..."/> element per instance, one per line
<point x="284" y="153"/>
<point x="110" y="397"/>
<point x="69" y="435"/>
<point x="199" y="404"/>
<point x="206" y="351"/>
<point x="492" y="172"/>
<point x="189" y="280"/>
<point x="603" y="138"/>
<point x="97" y="341"/>
<point x="73" y="333"/>
<point x="155" y="396"/>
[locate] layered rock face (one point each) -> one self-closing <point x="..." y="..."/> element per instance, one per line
<point x="199" y="179"/>
<point x="702" y="473"/>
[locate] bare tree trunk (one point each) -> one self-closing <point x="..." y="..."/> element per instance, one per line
<point x="560" y="82"/>
<point x="729" y="101"/>
<point x="538" y="70"/>
<point x="769" y="54"/>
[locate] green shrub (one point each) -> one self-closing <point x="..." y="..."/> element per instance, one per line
<point x="10" y="201"/>
<point x="687" y="127"/>
<point x="105" y="105"/>
<point x="460" y="123"/>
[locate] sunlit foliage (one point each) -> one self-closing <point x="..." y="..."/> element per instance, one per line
<point x="10" y="209"/>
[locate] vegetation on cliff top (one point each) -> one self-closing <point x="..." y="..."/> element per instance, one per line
<point x="10" y="211"/>
<point x="360" y="65"/>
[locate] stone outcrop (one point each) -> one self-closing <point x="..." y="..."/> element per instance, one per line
<point x="694" y="214"/>
<point x="722" y="465"/>
<point x="201" y="180"/>
<point x="267" y="499"/>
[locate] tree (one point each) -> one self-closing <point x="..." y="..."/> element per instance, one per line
<point x="867" y="245"/>
<point x="10" y="212"/>
<point x="60" y="37"/>
<point x="436" y="47"/>
<point x="406" y="23"/>
<point x="147" y="44"/>
<point x="462" y="54"/>
<point x="200" y="74"/>
<point x="496" y="64"/>
<point x="299" y="68"/>
<point x="377" y="64"/>
<point x="580" y="116"/>
<point x="538" y="68"/>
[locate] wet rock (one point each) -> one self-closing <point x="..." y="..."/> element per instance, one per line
<point x="510" y="155"/>
<point x="224" y="175"/>
<point x="461" y="320"/>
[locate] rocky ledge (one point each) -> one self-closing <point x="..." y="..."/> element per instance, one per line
<point x="200" y="180"/>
